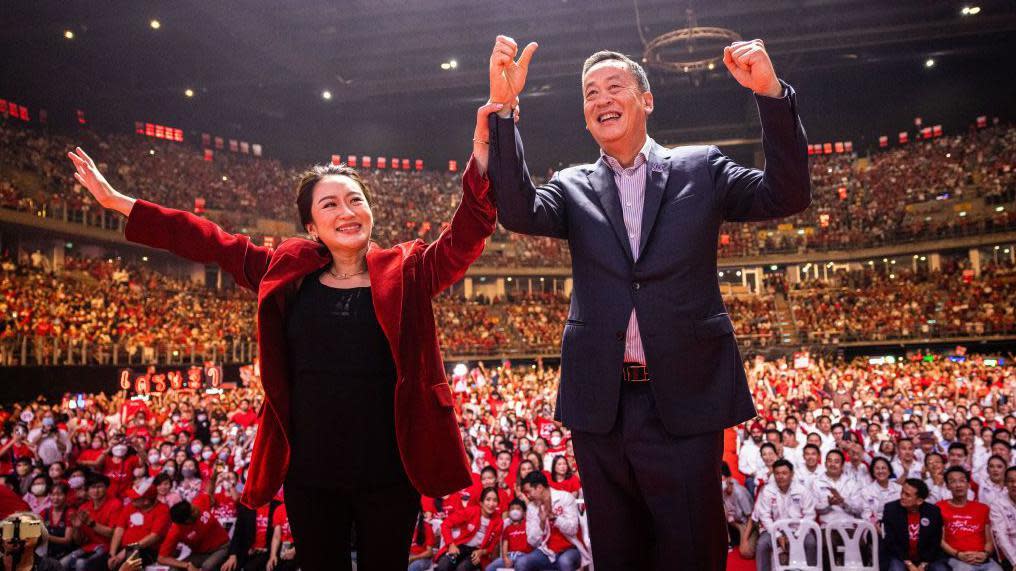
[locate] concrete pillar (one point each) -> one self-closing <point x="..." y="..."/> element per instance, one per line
<point x="500" y="285"/>
<point x="467" y="288"/>
<point x="935" y="261"/>
<point x="794" y="274"/>
<point x="58" y="253"/>
<point x="975" y="261"/>
<point x="568" y="284"/>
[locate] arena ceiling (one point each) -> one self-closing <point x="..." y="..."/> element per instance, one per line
<point x="258" y="69"/>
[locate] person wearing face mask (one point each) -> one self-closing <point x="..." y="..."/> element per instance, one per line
<point x="479" y="528"/>
<point x="37" y="497"/>
<point x="119" y="468"/>
<point x="338" y="294"/>
<point x="514" y="541"/>
<point x="51" y="443"/>
<point x="191" y="483"/>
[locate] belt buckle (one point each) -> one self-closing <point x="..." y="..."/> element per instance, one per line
<point x="629" y="369"/>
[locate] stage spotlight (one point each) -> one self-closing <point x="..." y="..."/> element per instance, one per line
<point x="446" y="66"/>
<point x="189" y="92"/>
<point x="970" y="10"/>
<point x="155" y="24"/>
<point x="326" y="95"/>
<point x="69" y="34"/>
<point x="453" y="64"/>
<point x="930" y="62"/>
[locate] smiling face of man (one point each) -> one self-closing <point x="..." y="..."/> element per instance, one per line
<point x="615" y="106"/>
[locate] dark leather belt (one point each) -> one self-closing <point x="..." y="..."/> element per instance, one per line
<point x="635" y="373"/>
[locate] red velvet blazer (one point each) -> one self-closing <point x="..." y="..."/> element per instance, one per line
<point x="404" y="279"/>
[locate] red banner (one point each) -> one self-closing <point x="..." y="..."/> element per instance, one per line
<point x="382" y="162"/>
<point x="904" y="137"/>
<point x="365" y="162"/>
<point x="351" y="160"/>
<point x="453" y="166"/>
<point x="883" y="141"/>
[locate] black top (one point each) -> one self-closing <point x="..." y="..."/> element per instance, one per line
<point x="343" y="391"/>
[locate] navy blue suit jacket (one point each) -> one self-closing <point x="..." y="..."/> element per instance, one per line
<point x="698" y="378"/>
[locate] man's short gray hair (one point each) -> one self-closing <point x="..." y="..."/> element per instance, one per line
<point x="633" y="66"/>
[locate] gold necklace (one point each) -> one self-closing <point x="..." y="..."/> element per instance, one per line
<point x="345" y="276"/>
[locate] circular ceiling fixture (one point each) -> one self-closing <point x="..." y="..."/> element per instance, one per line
<point x="688" y="50"/>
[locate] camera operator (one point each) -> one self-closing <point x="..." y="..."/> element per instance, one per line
<point x="22" y="532"/>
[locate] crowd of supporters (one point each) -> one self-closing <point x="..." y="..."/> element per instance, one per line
<point x="99" y="311"/>
<point x="856" y="201"/>
<point x="864" y="439"/>
<point x="920" y="447"/>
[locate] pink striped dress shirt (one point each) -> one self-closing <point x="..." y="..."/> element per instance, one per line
<point x="631" y="188"/>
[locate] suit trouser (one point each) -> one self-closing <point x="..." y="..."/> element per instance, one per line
<point x="654" y="500"/>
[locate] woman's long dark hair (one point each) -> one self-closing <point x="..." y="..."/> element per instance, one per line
<point x="420" y="535"/>
<point x="553" y="469"/>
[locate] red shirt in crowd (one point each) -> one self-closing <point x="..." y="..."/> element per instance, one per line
<point x="281" y="519"/>
<point x="261" y="524"/>
<point x="914" y="530"/>
<point x="120" y="472"/>
<point x="570" y="485"/>
<point x="245" y="419"/>
<point x="205" y="535"/>
<point x="137" y="524"/>
<point x="515" y="535"/>
<point x="106" y="514"/>
<point x="429" y="540"/>
<point x="964" y="527"/>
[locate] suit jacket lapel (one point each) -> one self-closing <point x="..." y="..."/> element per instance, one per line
<point x="602" y="180"/>
<point x="657" y="171"/>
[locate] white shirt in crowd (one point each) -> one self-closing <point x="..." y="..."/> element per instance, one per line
<point x="914" y="470"/>
<point x="874" y="498"/>
<point x="47" y="448"/>
<point x="1003" y="526"/>
<point x="566" y="520"/>
<point x="773" y="505"/>
<point x="847" y="487"/>
<point x="749" y="459"/>
<point x="795" y="456"/>
<point x="805" y="477"/>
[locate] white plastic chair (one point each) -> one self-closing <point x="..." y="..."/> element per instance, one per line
<point x="852" y="532"/>
<point x="796" y="531"/>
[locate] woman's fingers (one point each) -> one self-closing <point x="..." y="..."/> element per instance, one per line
<point x="87" y="158"/>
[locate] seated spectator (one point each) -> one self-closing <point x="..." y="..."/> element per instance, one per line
<point x="141" y="527"/>
<point x="737" y="504"/>
<point x="37" y="497"/>
<point x="57" y="518"/>
<point x="283" y="552"/>
<point x="514" y="540"/>
<point x="479" y="530"/>
<point x="967" y="540"/>
<point x="786" y="499"/>
<point x="424" y="544"/>
<point x="882" y="490"/>
<point x="93" y="525"/>
<point x="552" y="528"/>
<point x="563" y="478"/>
<point x="913" y="531"/>
<point x="1003" y="521"/>
<point x="198" y="530"/>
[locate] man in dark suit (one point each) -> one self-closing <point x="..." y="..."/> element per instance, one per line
<point x="907" y="519"/>
<point x="650" y="371"/>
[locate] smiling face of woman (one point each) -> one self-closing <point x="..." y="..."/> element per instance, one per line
<point x="334" y="207"/>
<point x="342" y="218"/>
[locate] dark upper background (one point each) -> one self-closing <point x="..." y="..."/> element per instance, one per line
<point x="258" y="69"/>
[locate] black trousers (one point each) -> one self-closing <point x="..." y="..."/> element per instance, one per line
<point x="654" y="500"/>
<point x="322" y="521"/>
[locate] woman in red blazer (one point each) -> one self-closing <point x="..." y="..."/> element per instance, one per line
<point x="479" y="529"/>
<point x="335" y="351"/>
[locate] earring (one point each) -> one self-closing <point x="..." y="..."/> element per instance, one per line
<point x="313" y="237"/>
